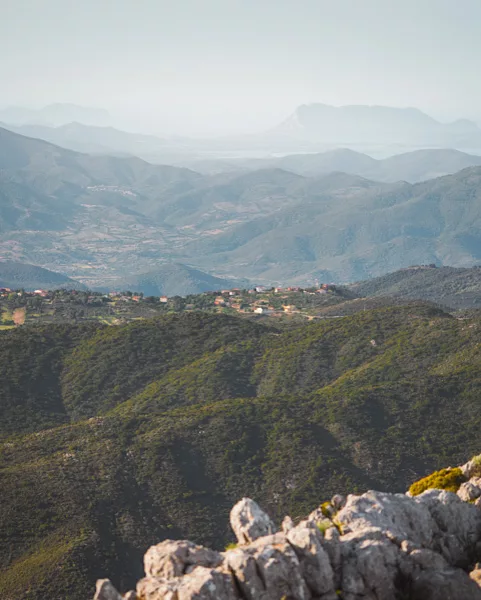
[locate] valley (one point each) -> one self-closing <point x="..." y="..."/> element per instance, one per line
<point x="98" y="219"/>
<point x="240" y="300"/>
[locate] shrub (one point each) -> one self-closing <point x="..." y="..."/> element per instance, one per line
<point x="231" y="546"/>
<point x="475" y="470"/>
<point x="445" y="479"/>
<point x="324" y="525"/>
<point x="328" y="509"/>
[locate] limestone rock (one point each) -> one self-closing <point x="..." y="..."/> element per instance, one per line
<point x="456" y="527"/>
<point x="427" y="560"/>
<point x="287" y="524"/>
<point x="370" y="564"/>
<point x="387" y="546"/>
<point x="249" y="521"/>
<point x="151" y="588"/>
<point x="470" y="490"/>
<point x="316" y="516"/>
<point x="175" y="558"/>
<point x="207" y="584"/>
<point x="436" y="519"/>
<point x="315" y="564"/>
<point x="332" y="546"/>
<point x="475" y="575"/>
<point x="244" y="567"/>
<point x="106" y="591"/>
<point x="338" y="501"/>
<point x="450" y="584"/>
<point x="472" y="468"/>
<point x="268" y="569"/>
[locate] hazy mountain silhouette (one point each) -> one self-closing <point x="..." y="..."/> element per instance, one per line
<point x="375" y="124"/>
<point x="414" y="167"/>
<point x="55" y="115"/>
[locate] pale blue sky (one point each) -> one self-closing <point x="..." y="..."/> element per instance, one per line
<point x="240" y="65"/>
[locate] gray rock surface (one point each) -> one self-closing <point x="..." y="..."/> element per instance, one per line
<point x="249" y="521"/>
<point x="450" y="584"/>
<point x="375" y="546"/>
<point x="268" y="569"/>
<point x="471" y="490"/>
<point x="151" y="588"/>
<point x="207" y="584"/>
<point x="316" y="568"/>
<point x="175" y="558"/>
<point x="472" y="468"/>
<point x="106" y="591"/>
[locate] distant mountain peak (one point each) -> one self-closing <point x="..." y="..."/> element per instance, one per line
<point x="55" y="115"/>
<point x="361" y="124"/>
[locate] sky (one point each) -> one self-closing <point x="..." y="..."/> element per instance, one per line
<point x="197" y="67"/>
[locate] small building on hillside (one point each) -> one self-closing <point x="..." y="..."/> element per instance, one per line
<point x="262" y="310"/>
<point x="163" y="299"/>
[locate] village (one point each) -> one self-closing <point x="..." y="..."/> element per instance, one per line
<point x="20" y="307"/>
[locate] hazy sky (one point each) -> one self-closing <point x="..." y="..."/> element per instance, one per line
<point x="198" y="66"/>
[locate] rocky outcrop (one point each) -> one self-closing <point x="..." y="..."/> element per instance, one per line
<point x="375" y="546"/>
<point x="249" y="522"/>
<point x="173" y="559"/>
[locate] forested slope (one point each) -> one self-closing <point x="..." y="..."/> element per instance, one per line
<point x="115" y="438"/>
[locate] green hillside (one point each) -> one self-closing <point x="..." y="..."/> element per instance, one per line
<point x="44" y="187"/>
<point x="452" y="287"/>
<point x="113" y="438"/>
<point x="354" y="235"/>
<point x="174" y="279"/>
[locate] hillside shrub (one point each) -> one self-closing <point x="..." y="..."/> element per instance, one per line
<point x="476" y="468"/>
<point x="445" y="479"/>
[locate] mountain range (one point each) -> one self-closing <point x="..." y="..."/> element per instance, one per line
<point x="54" y="115"/>
<point x="105" y="140"/>
<point x="380" y="125"/>
<point x="314" y="127"/>
<point x="101" y="218"/>
<point x="115" y="435"/>
<point x="115" y="438"/>
<point x="415" y="166"/>
<point x="171" y="279"/>
<point x="355" y="230"/>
